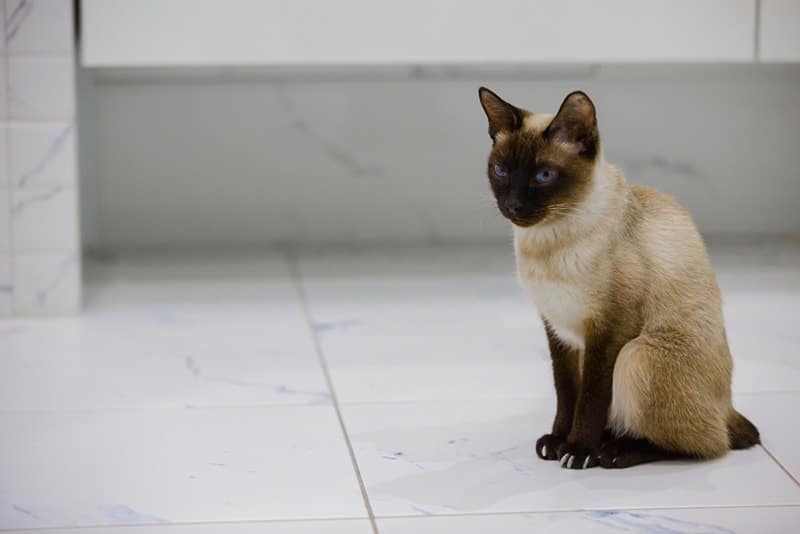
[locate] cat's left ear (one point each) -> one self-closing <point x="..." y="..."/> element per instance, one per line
<point x="503" y="117"/>
<point x="575" y="125"/>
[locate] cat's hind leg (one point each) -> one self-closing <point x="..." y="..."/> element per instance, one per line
<point x="672" y="398"/>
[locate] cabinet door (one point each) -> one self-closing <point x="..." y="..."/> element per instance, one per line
<point x="779" y="31"/>
<point x="369" y="32"/>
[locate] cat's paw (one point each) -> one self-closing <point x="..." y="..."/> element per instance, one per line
<point x="547" y="446"/>
<point x="624" y="452"/>
<point x="572" y="456"/>
<point x="609" y="453"/>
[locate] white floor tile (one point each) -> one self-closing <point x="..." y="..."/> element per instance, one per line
<point x="422" y="324"/>
<point x="339" y="526"/>
<point x="179" y="396"/>
<point x="477" y="456"/>
<point x="775" y="415"/>
<point x="396" y="327"/>
<point x="763" y="329"/>
<point x="442" y="352"/>
<point x="174" y="333"/>
<point x="760" y="286"/>
<point x="676" y="521"/>
<point x="164" y="466"/>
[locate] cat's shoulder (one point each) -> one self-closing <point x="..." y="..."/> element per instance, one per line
<point x="653" y="199"/>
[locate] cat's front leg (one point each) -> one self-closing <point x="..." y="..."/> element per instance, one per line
<point x="581" y="449"/>
<point x="566" y="377"/>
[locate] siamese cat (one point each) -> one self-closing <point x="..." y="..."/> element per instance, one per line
<point x="624" y="285"/>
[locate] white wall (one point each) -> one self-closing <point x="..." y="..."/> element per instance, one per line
<point x="149" y="33"/>
<point x="240" y="156"/>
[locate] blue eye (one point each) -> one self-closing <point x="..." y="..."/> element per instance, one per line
<point x="546" y="176"/>
<point x="500" y="171"/>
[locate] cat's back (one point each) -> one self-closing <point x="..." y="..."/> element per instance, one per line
<point x="681" y="278"/>
<point x="656" y="202"/>
<point x="663" y="227"/>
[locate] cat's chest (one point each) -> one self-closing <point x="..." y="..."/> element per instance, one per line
<point x="563" y="300"/>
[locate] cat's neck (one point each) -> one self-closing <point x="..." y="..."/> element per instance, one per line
<point x="600" y="215"/>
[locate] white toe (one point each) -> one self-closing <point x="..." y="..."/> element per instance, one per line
<point x="544" y="451"/>
<point x="564" y="459"/>
<point x="569" y="463"/>
<point x="586" y="462"/>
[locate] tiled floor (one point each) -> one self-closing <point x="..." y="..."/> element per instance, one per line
<point x="193" y="395"/>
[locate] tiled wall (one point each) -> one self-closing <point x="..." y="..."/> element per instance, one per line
<point x="39" y="238"/>
<point x="220" y="157"/>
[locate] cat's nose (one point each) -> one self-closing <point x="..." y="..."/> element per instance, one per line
<point x="513" y="206"/>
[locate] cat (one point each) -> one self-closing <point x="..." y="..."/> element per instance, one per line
<point x="624" y="285"/>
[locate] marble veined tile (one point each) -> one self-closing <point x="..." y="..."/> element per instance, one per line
<point x="5" y="218"/>
<point x="46" y="284"/>
<point x="121" y="467"/>
<point x="780" y="520"/>
<point x="41" y="88"/>
<point x="338" y="526"/>
<point x="81" y="363"/>
<point x="3" y="29"/>
<point x="426" y="325"/>
<point x="775" y="415"/>
<point x="42" y="155"/>
<point x="39" y="26"/>
<point x="763" y="328"/>
<point x="5" y="284"/>
<point x="444" y="458"/>
<point x="423" y="323"/>
<point x="187" y="331"/>
<point x="3" y="87"/>
<point x="45" y="219"/>
<point x="4" y="133"/>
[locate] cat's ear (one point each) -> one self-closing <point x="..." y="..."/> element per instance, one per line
<point x="575" y="125"/>
<point x="503" y="117"/>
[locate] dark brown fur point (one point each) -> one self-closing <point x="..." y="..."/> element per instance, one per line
<point x="636" y="303"/>
<point x="743" y="434"/>
<point x="524" y="153"/>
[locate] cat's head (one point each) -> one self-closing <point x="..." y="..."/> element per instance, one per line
<point x="540" y="167"/>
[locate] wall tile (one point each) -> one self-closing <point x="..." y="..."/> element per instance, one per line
<point x="3" y="99"/>
<point x="4" y="180"/>
<point x="41" y="88"/>
<point x="5" y="221"/>
<point x="39" y="26"/>
<point x="39" y="238"/>
<point x="42" y="155"/>
<point x="44" y="219"/>
<point x="2" y="29"/>
<point x="46" y="284"/>
<point x="5" y="284"/>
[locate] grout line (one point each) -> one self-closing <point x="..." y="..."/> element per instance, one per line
<point x="593" y="509"/>
<point x="395" y="516"/>
<point x="774" y="459"/>
<point x="178" y="524"/>
<point x="294" y="269"/>
<point x="123" y="409"/>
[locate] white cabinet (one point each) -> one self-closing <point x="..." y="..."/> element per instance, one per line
<point x="369" y="32"/>
<point x="779" y="31"/>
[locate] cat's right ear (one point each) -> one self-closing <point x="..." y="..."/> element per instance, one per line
<point x="503" y="117"/>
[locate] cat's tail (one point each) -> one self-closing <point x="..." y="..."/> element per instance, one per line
<point x="741" y="432"/>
